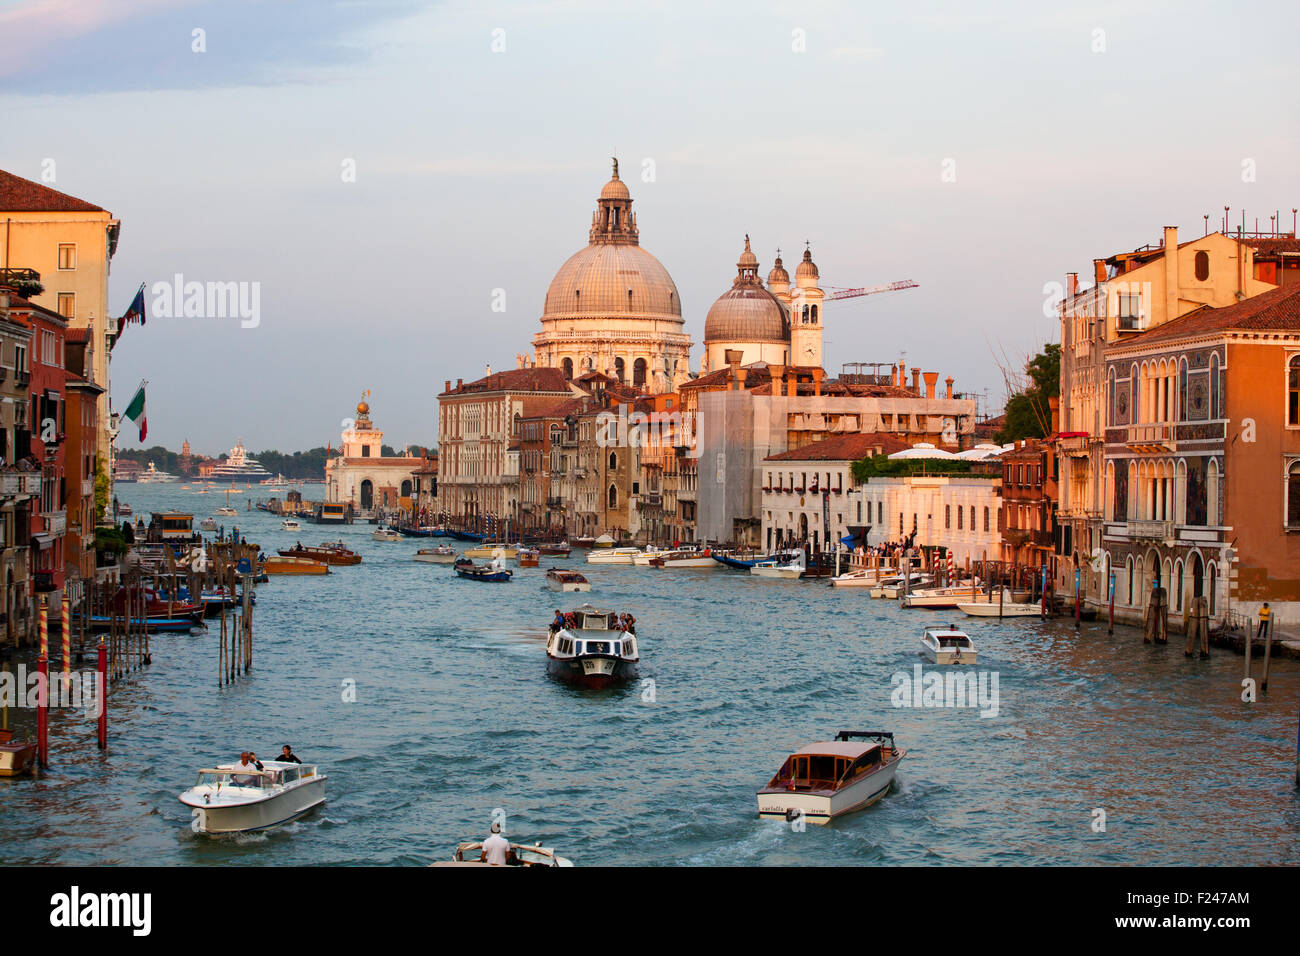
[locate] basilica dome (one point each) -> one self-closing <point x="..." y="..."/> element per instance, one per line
<point x="747" y="312"/>
<point x="613" y="278"/>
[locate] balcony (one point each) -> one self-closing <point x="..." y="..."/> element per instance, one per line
<point x="20" y="483"/>
<point x="1146" y="530"/>
<point x="557" y="503"/>
<point x="22" y="378"/>
<point x="1150" y="439"/>
<point x="43" y="581"/>
<point x="56" y="522"/>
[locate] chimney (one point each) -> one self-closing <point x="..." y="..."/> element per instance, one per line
<point x="740" y="378"/>
<point x="949" y="380"/>
<point x="1099" y="271"/>
<point x="916" y="381"/>
<point x="776" y="372"/>
<point x="902" y="373"/>
<point x="791" y="382"/>
<point x="817" y="374"/>
<point x="1072" y="283"/>
<point x="931" y="382"/>
<point x="447" y="383"/>
<point x="459" y="382"/>
<point x="1171" y="272"/>
<point x="1054" y="403"/>
<point x="733" y="357"/>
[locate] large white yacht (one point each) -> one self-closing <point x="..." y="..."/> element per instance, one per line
<point x="238" y="466"/>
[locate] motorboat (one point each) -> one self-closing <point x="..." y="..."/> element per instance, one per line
<point x="290" y="524"/>
<point x="945" y="644"/>
<point x="443" y="554"/>
<point x="1003" y="608"/>
<point x="611" y="555"/>
<point x="490" y="550"/>
<point x="562" y="579"/>
<point x="561" y="550"/>
<point x="685" y="559"/>
<point x="208" y="524"/>
<point x="604" y="541"/>
<point x="467" y="854"/>
<point x="329" y="552"/>
<point x="645" y="557"/>
<point x="529" y="558"/>
<point x="16" y="757"/>
<point x="825" y="780"/>
<point x="860" y="577"/>
<point x="892" y="586"/>
<point x="229" y="800"/>
<point x="494" y="572"/>
<point x="385" y="534"/>
<point x="226" y="512"/>
<point x="294" y="565"/>
<point x="743" y="560"/>
<point x="948" y="597"/>
<point x="591" y="650"/>
<point x="124" y="509"/>
<point x="584" y="542"/>
<point x="792" y="568"/>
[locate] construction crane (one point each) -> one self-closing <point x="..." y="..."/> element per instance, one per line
<point x="870" y="290"/>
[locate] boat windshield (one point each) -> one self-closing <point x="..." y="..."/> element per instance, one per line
<point x="229" y="778"/>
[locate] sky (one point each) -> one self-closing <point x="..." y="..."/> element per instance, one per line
<point x="376" y="172"/>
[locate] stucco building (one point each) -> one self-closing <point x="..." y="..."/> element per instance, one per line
<point x="361" y="476"/>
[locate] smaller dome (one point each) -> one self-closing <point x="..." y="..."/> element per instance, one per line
<point x="615" y="189"/>
<point x="807" y="268"/>
<point x="778" y="273"/>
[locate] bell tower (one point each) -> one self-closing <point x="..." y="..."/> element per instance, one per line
<point x="806" y="299"/>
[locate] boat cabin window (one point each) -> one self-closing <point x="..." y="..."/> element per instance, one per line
<point x="866" y="763"/>
<point x="228" y="778"/>
<point x="819" y="768"/>
<point x="598" y="647"/>
<point x="289" y="775"/>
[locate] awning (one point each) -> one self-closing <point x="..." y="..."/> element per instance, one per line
<point x="41" y="540"/>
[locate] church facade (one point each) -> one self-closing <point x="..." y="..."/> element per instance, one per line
<point x="362" y="477"/>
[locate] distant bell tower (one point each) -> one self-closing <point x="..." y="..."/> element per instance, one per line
<point x="360" y="438"/>
<point x="806" y="313"/>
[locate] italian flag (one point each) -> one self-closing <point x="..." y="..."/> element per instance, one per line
<point x="135" y="411"/>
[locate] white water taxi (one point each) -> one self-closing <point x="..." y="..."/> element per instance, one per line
<point x="467" y="854"/>
<point x="790" y="569"/>
<point x="227" y="512"/>
<point x="643" y="558"/>
<point x="290" y="524"/>
<point x="693" y="558"/>
<point x="937" y="597"/>
<point x="208" y="524"/>
<point x="385" y="534"/>
<point x="229" y="801"/>
<point x="1004" y="608"/>
<point x="860" y="577"/>
<point x="611" y="555"/>
<point x="892" y="587"/>
<point x="945" y="644"/>
<point x="564" y="580"/>
<point x="591" y="650"/>
<point x="825" y="780"/>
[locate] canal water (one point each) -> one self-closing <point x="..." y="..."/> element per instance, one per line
<point x="454" y="717"/>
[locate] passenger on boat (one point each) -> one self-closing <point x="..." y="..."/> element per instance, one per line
<point x="496" y="849"/>
<point x="558" y="623"/>
<point x="287" y="755"/>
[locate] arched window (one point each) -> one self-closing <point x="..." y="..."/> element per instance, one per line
<point x="1202" y="266"/>
<point x="814" y="315"/>
<point x="960" y="513"/>
<point x="1212" y="584"/>
<point x="1178" y="586"/>
<point x="367" y="494"/>
<point x="638" y="372"/>
<point x="1215" y="387"/>
<point x="1212" y="493"/>
<point x="947" y="517"/>
<point x="1293" y="495"/>
<point x="613" y="497"/>
<point x="1128" y="571"/>
<point x="1108" y="504"/>
<point x="1111" y="418"/>
<point x="567" y="365"/>
<point x="406" y="488"/>
<point x="972" y="517"/>
<point x="613" y="461"/>
<point x="1135" y="392"/>
<point x="1293" y="391"/>
<point x="986" y="517"/>
<point x="1182" y="390"/>
<point x="620" y="369"/>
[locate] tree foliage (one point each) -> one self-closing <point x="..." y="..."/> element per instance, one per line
<point x="1029" y="414"/>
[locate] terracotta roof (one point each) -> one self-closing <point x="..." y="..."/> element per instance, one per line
<point x="572" y="406"/>
<point x="844" y="448"/>
<point x="517" y="380"/>
<point x="1274" y="244"/>
<point x="1274" y="310"/>
<point x="23" y="195"/>
<point x="78" y="335"/>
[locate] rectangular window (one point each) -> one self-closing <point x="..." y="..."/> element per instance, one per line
<point x="1130" y="311"/>
<point x="67" y="304"/>
<point x="67" y="256"/>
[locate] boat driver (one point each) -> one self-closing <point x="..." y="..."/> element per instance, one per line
<point x="287" y="755"/>
<point x="248" y="762"/>
<point x="496" y="849"/>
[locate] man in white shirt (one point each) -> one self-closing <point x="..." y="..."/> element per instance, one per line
<point x="496" y="848"/>
<point x="251" y="764"/>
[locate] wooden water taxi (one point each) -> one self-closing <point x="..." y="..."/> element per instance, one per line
<point x="825" y="780"/>
<point x="529" y="558"/>
<point x="945" y="644"/>
<point x="561" y="550"/>
<point x="294" y="565"/>
<point x="522" y="855"/>
<point x="328" y="552"/>
<point x="490" y="549"/>
<point x="16" y="758"/>
<point x="562" y="579"/>
<point x="684" y="559"/>
<point x="443" y="554"/>
<point x="591" y="650"/>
